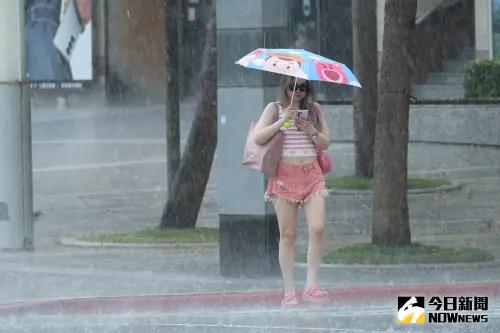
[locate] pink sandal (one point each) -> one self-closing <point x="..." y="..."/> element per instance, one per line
<point x="315" y="295"/>
<point x="289" y="300"/>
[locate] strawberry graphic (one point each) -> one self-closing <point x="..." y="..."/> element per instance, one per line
<point x="330" y="72"/>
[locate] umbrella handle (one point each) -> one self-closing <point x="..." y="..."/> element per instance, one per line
<point x="287" y="123"/>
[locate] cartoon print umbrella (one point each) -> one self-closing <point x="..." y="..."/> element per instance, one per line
<point x="299" y="63"/>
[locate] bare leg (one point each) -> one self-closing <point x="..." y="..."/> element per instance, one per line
<point x="314" y="210"/>
<point x="287" y="221"/>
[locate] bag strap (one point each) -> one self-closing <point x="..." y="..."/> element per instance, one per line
<point x="314" y="116"/>
<point x="276" y="116"/>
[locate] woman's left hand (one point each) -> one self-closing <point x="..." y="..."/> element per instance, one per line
<point x="305" y="125"/>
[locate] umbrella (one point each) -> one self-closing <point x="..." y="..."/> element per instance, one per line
<point x="299" y="63"/>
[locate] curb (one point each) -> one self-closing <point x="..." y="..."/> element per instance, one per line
<point x="481" y="264"/>
<point x="345" y="296"/>
<point x="78" y="243"/>
<point x="432" y="189"/>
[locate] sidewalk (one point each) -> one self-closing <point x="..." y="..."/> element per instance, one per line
<point x="67" y="289"/>
<point x="107" y="174"/>
<point x="45" y="272"/>
<point x="62" y="272"/>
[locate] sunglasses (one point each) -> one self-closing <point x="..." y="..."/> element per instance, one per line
<point x="304" y="87"/>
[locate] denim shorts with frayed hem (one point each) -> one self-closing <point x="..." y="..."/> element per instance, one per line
<point x="296" y="183"/>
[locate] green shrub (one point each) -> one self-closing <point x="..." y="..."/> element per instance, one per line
<point x="482" y="79"/>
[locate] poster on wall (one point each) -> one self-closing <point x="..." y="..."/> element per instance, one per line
<point x="58" y="43"/>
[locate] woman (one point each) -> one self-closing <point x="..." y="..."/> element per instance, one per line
<point x="298" y="181"/>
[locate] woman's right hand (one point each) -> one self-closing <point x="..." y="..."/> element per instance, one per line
<point x="289" y="114"/>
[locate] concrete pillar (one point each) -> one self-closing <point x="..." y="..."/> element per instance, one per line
<point x="248" y="225"/>
<point x="483" y="29"/>
<point x="16" y="193"/>
<point x="380" y="26"/>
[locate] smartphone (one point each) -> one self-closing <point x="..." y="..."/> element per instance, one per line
<point x="304" y="114"/>
<point x="68" y="31"/>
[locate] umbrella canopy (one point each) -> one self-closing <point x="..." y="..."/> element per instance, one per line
<point x="299" y="63"/>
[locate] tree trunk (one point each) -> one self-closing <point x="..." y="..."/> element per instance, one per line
<point x="364" y="17"/>
<point x="182" y="207"/>
<point x="391" y="224"/>
<point x="183" y="44"/>
<point x="172" y="12"/>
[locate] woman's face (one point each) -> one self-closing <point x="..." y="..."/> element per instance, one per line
<point x="301" y="90"/>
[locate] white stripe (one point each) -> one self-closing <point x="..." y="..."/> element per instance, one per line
<point x="99" y="141"/>
<point x="299" y="154"/>
<point x="296" y="135"/>
<point x="98" y="165"/>
<point x="299" y="143"/>
<point x="297" y="139"/>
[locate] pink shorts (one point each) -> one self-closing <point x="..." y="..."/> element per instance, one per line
<point x="296" y="183"/>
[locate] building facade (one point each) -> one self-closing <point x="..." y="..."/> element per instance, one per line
<point x="129" y="42"/>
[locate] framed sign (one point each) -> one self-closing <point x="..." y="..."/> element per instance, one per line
<point x="58" y="43"/>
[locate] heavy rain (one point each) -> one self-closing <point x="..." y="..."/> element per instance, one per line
<point x="249" y="166"/>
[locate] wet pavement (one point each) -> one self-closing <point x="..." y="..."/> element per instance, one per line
<point x="60" y="272"/>
<point x="358" y="319"/>
<point x="103" y="170"/>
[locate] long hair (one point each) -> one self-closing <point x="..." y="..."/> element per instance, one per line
<point x="307" y="101"/>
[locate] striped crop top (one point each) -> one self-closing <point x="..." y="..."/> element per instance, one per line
<point x="295" y="143"/>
